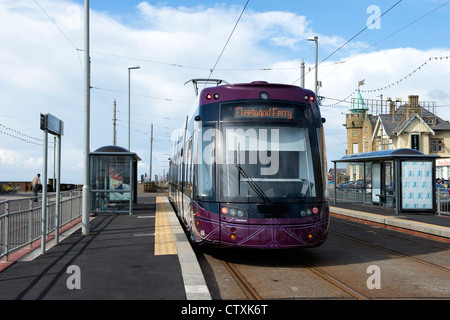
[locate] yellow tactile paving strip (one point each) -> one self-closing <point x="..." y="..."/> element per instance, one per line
<point x="164" y="242"/>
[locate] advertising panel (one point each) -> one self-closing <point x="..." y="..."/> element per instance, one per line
<point x="417" y="185"/>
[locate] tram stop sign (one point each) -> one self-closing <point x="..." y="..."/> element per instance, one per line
<point x="52" y="124"/>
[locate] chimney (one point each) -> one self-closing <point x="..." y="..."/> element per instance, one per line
<point x="413" y="104"/>
<point x="392" y="110"/>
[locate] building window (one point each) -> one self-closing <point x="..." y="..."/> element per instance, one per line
<point x="355" y="148"/>
<point x="437" y="145"/>
<point x="389" y="144"/>
<point x="415" y="142"/>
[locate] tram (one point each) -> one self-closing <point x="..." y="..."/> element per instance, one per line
<point x="248" y="168"/>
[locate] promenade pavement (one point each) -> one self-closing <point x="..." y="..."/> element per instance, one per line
<point x="427" y="225"/>
<point x="146" y="255"/>
<point x="120" y="259"/>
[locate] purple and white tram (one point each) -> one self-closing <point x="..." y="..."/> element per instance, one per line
<point x="249" y="168"/>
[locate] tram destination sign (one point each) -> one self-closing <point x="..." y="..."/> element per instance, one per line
<point x="52" y="124"/>
<point x="263" y="112"/>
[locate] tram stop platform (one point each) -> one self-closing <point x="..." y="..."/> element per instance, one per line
<point x="146" y="255"/>
<point x="426" y="225"/>
<point x="143" y="256"/>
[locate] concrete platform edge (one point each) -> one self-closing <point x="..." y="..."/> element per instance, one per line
<point x="424" y="228"/>
<point x="194" y="281"/>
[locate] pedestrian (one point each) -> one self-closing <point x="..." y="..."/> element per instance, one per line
<point x="36" y="184"/>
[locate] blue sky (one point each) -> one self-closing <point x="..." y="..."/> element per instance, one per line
<point x="174" y="41"/>
<point x="344" y="18"/>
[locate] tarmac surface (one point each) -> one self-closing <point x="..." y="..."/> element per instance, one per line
<point x="146" y="255"/>
<point x="116" y="261"/>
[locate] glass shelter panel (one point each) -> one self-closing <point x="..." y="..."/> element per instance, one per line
<point x="368" y="182"/>
<point x="110" y="179"/>
<point x="389" y="182"/>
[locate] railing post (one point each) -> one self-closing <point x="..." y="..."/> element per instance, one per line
<point x="71" y="204"/>
<point x="438" y="195"/>
<point x="30" y="222"/>
<point x="6" y="231"/>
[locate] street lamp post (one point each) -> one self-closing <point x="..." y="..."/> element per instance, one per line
<point x="316" y="40"/>
<point x="129" y="126"/>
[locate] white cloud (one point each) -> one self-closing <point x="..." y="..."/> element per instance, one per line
<point x="7" y="157"/>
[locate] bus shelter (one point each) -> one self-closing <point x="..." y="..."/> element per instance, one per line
<point x="403" y="179"/>
<point x="113" y="180"/>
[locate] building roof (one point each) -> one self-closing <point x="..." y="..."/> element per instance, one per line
<point x="396" y="123"/>
<point x="384" y="154"/>
<point x="358" y="104"/>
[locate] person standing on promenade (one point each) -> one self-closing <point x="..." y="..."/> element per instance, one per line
<point x="36" y="184"/>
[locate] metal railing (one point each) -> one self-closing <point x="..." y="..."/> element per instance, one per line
<point x="362" y="195"/>
<point x="21" y="219"/>
<point x="443" y="203"/>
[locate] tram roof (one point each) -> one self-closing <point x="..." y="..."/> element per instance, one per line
<point x="385" y="154"/>
<point x="252" y="90"/>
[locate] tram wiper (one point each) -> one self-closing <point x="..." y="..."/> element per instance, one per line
<point x="252" y="184"/>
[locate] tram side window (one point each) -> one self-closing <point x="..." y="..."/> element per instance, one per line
<point x="306" y="167"/>
<point x="188" y="168"/>
<point x="204" y="164"/>
<point x="323" y="160"/>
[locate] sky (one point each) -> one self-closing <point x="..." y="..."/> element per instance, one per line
<point x="42" y="66"/>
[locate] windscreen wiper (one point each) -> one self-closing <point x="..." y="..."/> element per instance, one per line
<point x="252" y="184"/>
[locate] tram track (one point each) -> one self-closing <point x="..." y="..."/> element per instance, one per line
<point x="392" y="251"/>
<point x="339" y="270"/>
<point x="242" y="282"/>
<point x="252" y="294"/>
<point x="386" y="232"/>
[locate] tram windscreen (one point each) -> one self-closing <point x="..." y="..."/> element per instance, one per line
<point x="266" y="163"/>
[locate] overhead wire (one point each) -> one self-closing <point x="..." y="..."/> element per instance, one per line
<point x="387" y="86"/>
<point x="373" y="45"/>
<point x="390" y="35"/>
<point x="228" y="40"/>
<point x="60" y="30"/>
<point x="364" y="29"/>
<point x="348" y="41"/>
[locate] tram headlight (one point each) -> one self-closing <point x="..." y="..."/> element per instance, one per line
<point x="264" y="95"/>
<point x="309" y="212"/>
<point x="234" y="212"/>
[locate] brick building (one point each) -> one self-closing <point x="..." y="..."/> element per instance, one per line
<point x="374" y="125"/>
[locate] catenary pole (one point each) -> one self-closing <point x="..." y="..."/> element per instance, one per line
<point x="87" y="89"/>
